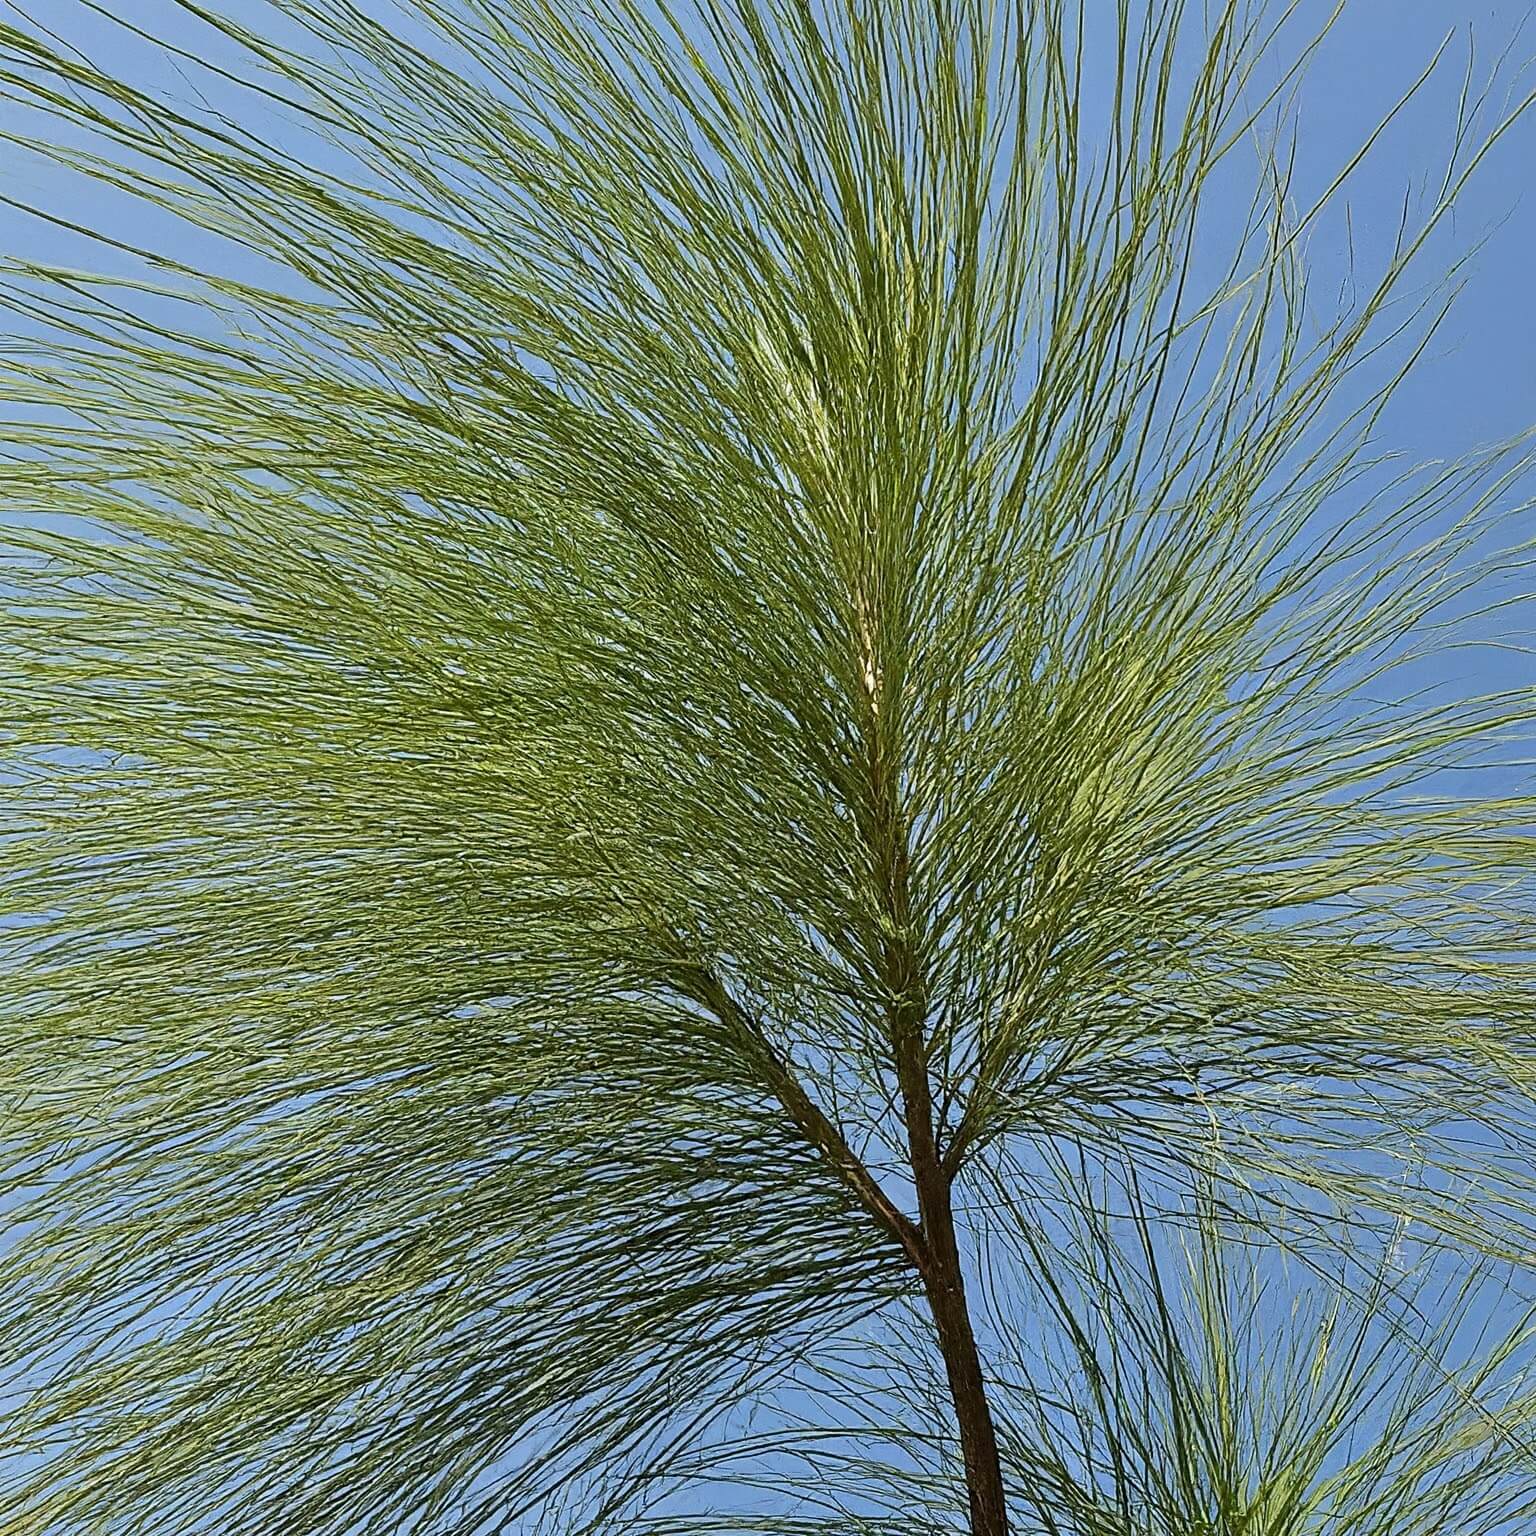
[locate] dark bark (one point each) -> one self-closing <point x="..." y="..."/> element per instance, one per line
<point x="808" y="1117"/>
<point x="931" y="1246"/>
<point x="943" y="1281"/>
<point x="944" y="1286"/>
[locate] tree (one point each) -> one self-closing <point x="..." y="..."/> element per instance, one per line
<point x="701" y="705"/>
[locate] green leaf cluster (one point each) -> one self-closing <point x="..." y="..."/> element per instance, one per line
<point x="623" y="612"/>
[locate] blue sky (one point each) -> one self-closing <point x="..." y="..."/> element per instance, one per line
<point x="1480" y="381"/>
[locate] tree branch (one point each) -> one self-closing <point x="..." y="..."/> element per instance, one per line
<point x="905" y="985"/>
<point x="809" y="1118"/>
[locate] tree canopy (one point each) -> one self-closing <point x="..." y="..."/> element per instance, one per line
<point x="740" y="796"/>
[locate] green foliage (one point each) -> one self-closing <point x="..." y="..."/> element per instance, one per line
<point x="1212" y="1389"/>
<point x="662" y="561"/>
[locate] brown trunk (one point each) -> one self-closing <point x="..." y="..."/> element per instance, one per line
<point x="937" y="1253"/>
<point x="944" y="1286"/>
<point x="945" y="1289"/>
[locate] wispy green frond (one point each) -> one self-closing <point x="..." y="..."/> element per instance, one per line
<point x="1205" y="1386"/>
<point x="635" y="638"/>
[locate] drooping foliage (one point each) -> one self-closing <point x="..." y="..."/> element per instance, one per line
<point x="613" y="615"/>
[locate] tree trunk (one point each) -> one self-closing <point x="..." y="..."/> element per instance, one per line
<point x="945" y="1289"/>
<point x="937" y="1258"/>
<point x="944" y="1286"/>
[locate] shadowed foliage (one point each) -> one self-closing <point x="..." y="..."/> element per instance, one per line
<point x="673" y="677"/>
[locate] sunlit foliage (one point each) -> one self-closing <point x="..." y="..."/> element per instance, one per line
<point x="702" y="626"/>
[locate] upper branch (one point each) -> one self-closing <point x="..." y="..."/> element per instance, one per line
<point x="809" y="1118"/>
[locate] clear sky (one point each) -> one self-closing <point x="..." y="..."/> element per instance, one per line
<point x="1480" y="381"/>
